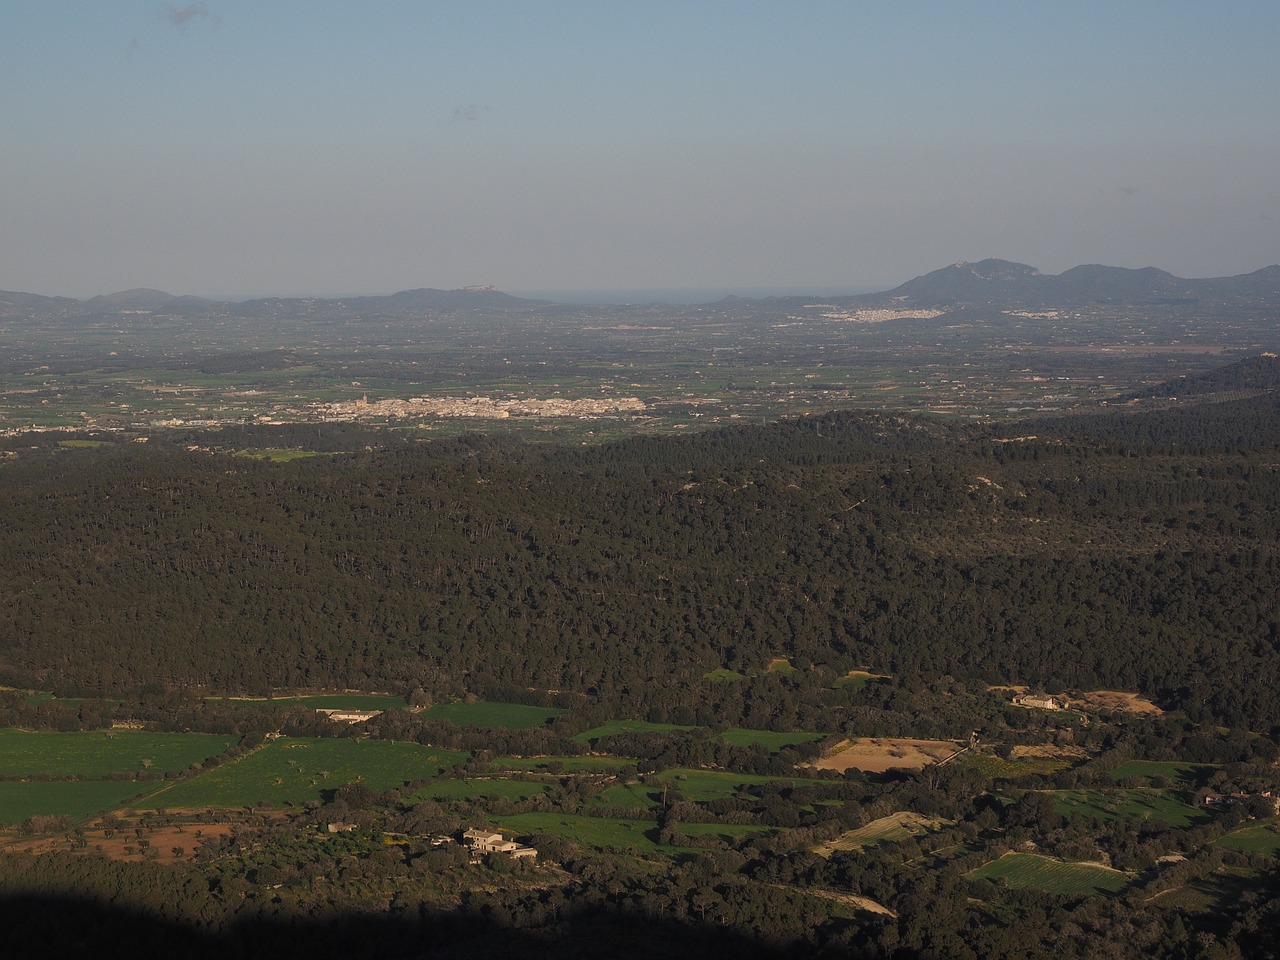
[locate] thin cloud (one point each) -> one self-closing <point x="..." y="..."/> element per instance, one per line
<point x="181" y="14"/>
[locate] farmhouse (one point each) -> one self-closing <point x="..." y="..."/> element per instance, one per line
<point x="340" y="715"/>
<point x="1259" y="801"/>
<point x="486" y="841"/>
<point x="1042" y="701"/>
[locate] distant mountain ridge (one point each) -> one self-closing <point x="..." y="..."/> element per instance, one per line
<point x="145" y="299"/>
<point x="1001" y="284"/>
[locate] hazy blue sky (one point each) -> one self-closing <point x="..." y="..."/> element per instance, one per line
<point x="237" y="147"/>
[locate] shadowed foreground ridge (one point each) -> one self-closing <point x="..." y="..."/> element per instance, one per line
<point x="72" y="926"/>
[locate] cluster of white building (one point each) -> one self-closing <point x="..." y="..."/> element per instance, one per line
<point x="486" y="841"/>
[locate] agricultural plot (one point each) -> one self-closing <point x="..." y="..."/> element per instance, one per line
<point x="1261" y="838"/>
<point x="878" y="754"/>
<point x="772" y="741"/>
<point x="1131" y="805"/>
<point x="80" y="800"/>
<point x="600" y="833"/>
<point x="997" y="768"/>
<point x="1204" y="894"/>
<point x="632" y="794"/>
<point x="857" y="679"/>
<point x="723" y="675"/>
<point x="1116" y="701"/>
<point x="295" y="770"/>
<point x="1029" y="870"/>
<point x="502" y="716"/>
<point x="278" y="454"/>
<point x="95" y="754"/>
<point x="890" y="829"/>
<point x="728" y="832"/>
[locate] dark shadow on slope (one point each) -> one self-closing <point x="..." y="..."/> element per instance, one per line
<point x="69" y="927"/>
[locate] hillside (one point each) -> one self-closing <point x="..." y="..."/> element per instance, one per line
<point x="1252" y="374"/>
<point x="873" y="542"/>
<point x="1000" y="283"/>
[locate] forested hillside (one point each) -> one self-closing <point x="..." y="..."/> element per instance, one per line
<point x="1133" y="551"/>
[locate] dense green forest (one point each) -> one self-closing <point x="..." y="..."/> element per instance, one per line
<point x="1121" y="550"/>
<point x="717" y="589"/>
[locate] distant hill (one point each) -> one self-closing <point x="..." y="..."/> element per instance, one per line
<point x="140" y="298"/>
<point x="969" y="282"/>
<point x="432" y="299"/>
<point x="423" y="299"/>
<point x="1007" y="285"/>
<point x="991" y="283"/>
<point x="1251" y="375"/>
<point x="13" y="304"/>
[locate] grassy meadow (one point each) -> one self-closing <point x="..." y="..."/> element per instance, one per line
<point x="294" y="770"/>
<point x="21" y="799"/>
<point x="95" y="754"/>
<point x="486" y="713"/>
<point x="1029" y="870"/>
<point x="1130" y="805"/>
<point x="769" y="739"/>
<point x="1261" y="838"/>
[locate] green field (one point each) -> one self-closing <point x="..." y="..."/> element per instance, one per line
<point x="1052" y="876"/>
<point x="631" y="795"/>
<point x="278" y="454"/>
<point x="100" y="753"/>
<point x="294" y="770"/>
<point x="484" y="713"/>
<point x="1131" y="805"/>
<point x="891" y="829"/>
<point x="1178" y="771"/>
<point x="742" y="737"/>
<point x="1220" y="889"/>
<point x="723" y="675"/>
<point x="997" y="768"/>
<point x="728" y="832"/>
<point x="600" y="833"/>
<point x="859" y="679"/>
<point x="629" y="726"/>
<point x="1255" y="838"/>
<point x="80" y="800"/>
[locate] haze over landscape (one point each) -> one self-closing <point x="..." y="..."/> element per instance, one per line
<point x="238" y="149"/>
<point x="568" y="479"/>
